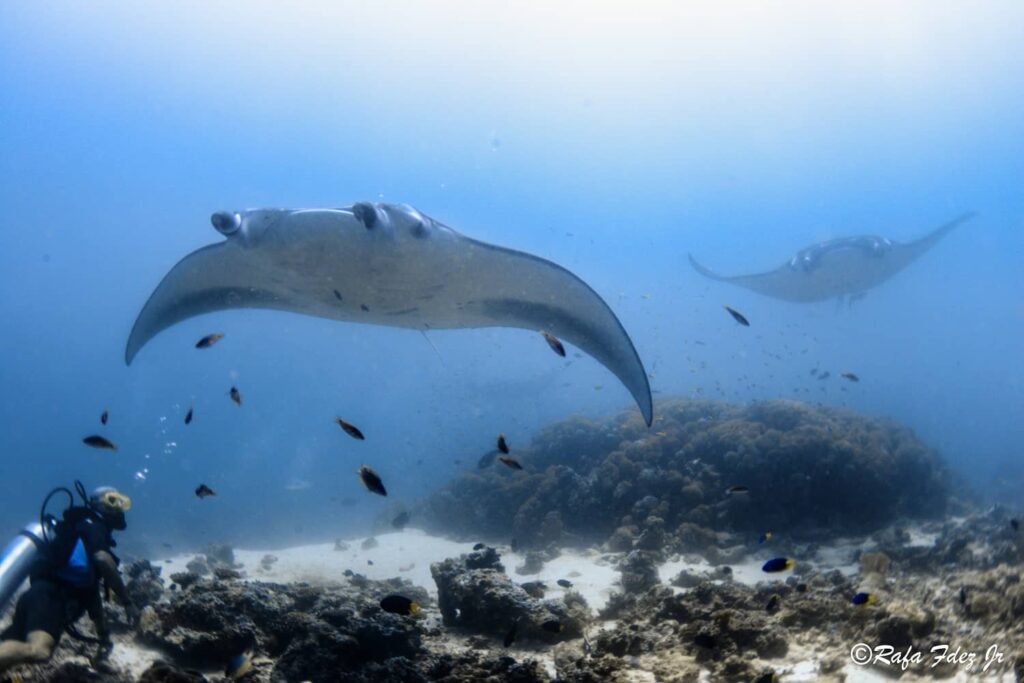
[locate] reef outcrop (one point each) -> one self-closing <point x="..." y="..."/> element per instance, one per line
<point x="810" y="470"/>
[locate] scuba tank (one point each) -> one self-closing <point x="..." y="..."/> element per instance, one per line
<point x="17" y="560"/>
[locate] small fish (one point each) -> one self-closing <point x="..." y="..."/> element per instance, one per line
<point x="773" y="604"/>
<point x="97" y="441"/>
<point x="510" y="637"/>
<point x="479" y="546"/>
<point x="510" y="462"/>
<point x="209" y="340"/>
<point x="850" y="376"/>
<point x="337" y="295"/>
<point x="704" y="640"/>
<point x="236" y="396"/>
<point x="371" y="480"/>
<point x="825" y="375"/>
<point x="553" y="626"/>
<point x="737" y="489"/>
<point x="502" y="444"/>
<point x="188" y="416"/>
<point x="766" y="536"/>
<point x="239" y="666"/>
<point x="350" y="429"/>
<point x="864" y="599"/>
<point x="778" y="564"/>
<point x="401" y="520"/>
<point x="369" y="562"/>
<point x="104" y="417"/>
<point x="801" y="588"/>
<point x="204" y="491"/>
<point x="737" y="316"/>
<point x="365" y="308"/>
<point x="553" y="342"/>
<point x="963" y="595"/>
<point x="1015" y="524"/>
<point x="399" y="604"/>
<point x="564" y="583"/>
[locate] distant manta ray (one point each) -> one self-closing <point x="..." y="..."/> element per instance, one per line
<point x="848" y="266"/>
<point x="386" y="264"/>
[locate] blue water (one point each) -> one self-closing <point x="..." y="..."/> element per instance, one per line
<point x="613" y="141"/>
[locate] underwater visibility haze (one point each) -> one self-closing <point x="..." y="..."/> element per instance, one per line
<point x="261" y="261"/>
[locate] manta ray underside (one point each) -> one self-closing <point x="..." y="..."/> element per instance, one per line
<point x="844" y="267"/>
<point x="386" y="264"/>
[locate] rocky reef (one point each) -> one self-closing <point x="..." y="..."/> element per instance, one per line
<point x="809" y="469"/>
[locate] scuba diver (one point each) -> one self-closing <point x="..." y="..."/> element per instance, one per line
<point x="66" y="560"/>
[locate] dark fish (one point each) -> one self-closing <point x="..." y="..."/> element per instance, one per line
<point x="188" y="416"/>
<point x="864" y="599"/>
<point x="825" y="375"/>
<point x="801" y="588"/>
<point x="766" y="536"/>
<point x="773" y="604"/>
<point x="369" y="562"/>
<point x="1015" y="524"/>
<point x="104" y="417"/>
<point x="510" y="637"/>
<point x="401" y="520"/>
<point x="553" y="342"/>
<point x="553" y="626"/>
<point x="778" y="564"/>
<point x="850" y="376"/>
<point x="737" y="316"/>
<point x="236" y="396"/>
<point x="564" y="583"/>
<point x="209" y="340"/>
<point x="337" y="295"/>
<point x="350" y="429"/>
<point x="167" y="545"/>
<point x="509" y="461"/>
<point x="97" y="441"/>
<point x="737" y="489"/>
<point x="767" y="677"/>
<point x="479" y="546"/>
<point x="963" y="595"/>
<point x="371" y="480"/>
<point x="365" y="308"/>
<point x="399" y="604"/>
<point x="239" y="666"/>
<point x="502" y="444"/>
<point x="704" y="640"/>
<point x="485" y="460"/>
<point x="203" y="491"/>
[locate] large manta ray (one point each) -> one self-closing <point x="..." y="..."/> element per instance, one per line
<point x="386" y="264"/>
<point x="847" y="266"/>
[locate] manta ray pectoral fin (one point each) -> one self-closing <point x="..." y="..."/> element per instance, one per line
<point x="213" y="278"/>
<point x="517" y="289"/>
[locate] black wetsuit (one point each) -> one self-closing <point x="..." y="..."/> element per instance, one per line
<point x="53" y="602"/>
